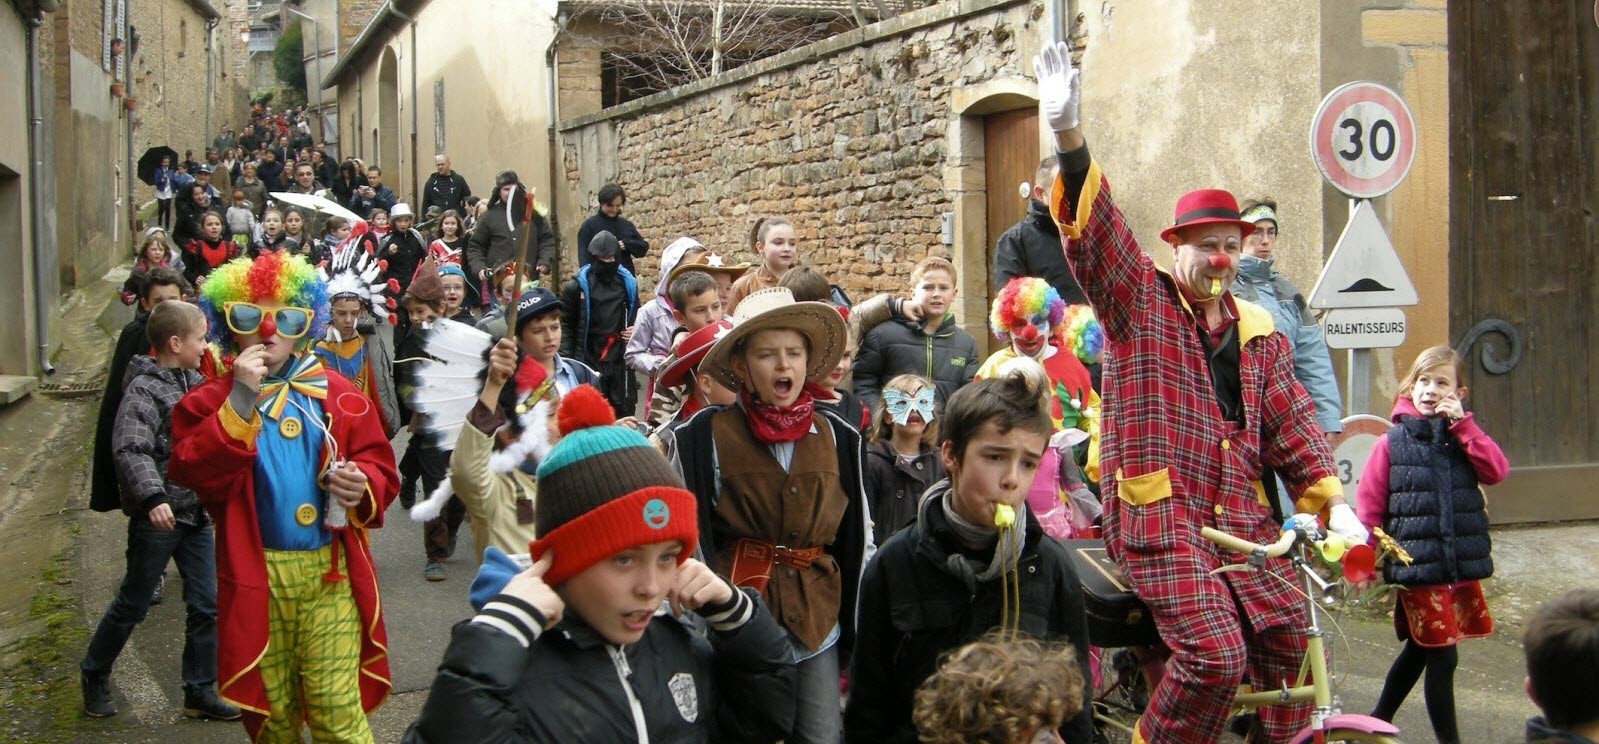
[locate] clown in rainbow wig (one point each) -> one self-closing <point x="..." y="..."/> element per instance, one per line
<point x="1038" y="325"/>
<point x="292" y="465"/>
<point x="358" y="296"/>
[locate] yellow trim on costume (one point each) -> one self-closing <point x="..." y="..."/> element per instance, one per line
<point x="377" y="619"/>
<point x="1085" y="201"/>
<point x="238" y="428"/>
<point x="1145" y="489"/>
<point x="1253" y="321"/>
<point x="356" y="520"/>
<point x="1260" y="492"/>
<point x="1138" y="736"/>
<point x="222" y="689"/>
<point x="1319" y="493"/>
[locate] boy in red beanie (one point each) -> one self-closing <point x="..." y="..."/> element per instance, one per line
<point x="612" y="577"/>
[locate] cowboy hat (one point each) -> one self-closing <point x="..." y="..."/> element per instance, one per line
<point x="775" y="308"/>
<point x="710" y="263"/>
<point x="690" y="352"/>
<point x="1206" y="207"/>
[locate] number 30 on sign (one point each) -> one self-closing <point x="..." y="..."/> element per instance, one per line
<point x="1363" y="139"/>
<point x="1352" y="447"/>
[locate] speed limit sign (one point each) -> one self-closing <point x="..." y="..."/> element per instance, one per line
<point x="1363" y="139"/>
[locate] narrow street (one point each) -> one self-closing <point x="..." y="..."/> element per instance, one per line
<point x="45" y="514"/>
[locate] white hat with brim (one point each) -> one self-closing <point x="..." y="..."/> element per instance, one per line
<point x="401" y="210"/>
<point x="775" y="308"/>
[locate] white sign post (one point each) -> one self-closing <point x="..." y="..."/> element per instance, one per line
<point x="1363" y="140"/>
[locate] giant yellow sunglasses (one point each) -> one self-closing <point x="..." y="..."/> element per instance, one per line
<point x="245" y="318"/>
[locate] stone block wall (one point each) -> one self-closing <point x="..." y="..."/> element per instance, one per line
<point x="848" y="138"/>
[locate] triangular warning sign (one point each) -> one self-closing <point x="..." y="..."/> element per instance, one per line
<point x="1363" y="270"/>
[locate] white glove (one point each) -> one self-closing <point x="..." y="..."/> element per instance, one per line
<point x="1060" y="91"/>
<point x="1307" y="521"/>
<point x="1343" y="521"/>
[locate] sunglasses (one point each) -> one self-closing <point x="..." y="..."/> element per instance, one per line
<point x="245" y="318"/>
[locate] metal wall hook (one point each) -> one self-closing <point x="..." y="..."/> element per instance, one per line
<point x="1492" y="361"/>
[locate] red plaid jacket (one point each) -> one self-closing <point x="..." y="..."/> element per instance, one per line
<point x="1167" y="454"/>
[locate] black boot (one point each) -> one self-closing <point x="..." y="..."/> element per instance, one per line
<point x="205" y="703"/>
<point x="408" y="493"/>
<point x="97" y="695"/>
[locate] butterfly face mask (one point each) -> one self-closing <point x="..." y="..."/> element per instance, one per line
<point x="900" y="405"/>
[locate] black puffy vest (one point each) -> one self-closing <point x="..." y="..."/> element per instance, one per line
<point x="1435" y="509"/>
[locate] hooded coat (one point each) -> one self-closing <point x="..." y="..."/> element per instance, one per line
<point x="1031" y="247"/>
<point x="494" y="240"/>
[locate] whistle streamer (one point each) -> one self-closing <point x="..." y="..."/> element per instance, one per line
<point x="1010" y="583"/>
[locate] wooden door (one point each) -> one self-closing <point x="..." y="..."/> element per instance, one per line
<point x="1524" y="249"/>
<point x="1010" y="153"/>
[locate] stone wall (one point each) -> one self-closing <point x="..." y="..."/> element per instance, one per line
<point x="849" y="138"/>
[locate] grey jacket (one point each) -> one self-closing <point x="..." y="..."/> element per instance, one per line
<point x="1259" y="283"/>
<point x="141" y="439"/>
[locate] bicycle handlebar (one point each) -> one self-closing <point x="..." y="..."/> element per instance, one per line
<point x="1246" y="547"/>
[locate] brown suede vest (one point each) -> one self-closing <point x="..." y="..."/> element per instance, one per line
<point x="798" y="509"/>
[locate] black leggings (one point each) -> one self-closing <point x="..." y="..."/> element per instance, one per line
<point x="1439" y="689"/>
<point x="163" y="214"/>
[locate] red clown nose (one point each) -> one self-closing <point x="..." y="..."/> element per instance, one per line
<point x="1028" y="333"/>
<point x="269" y="328"/>
<point x="1221" y="261"/>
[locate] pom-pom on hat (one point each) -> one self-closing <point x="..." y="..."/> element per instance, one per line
<point x="603" y="489"/>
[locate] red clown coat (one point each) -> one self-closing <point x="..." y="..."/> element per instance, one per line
<point x="1171" y="459"/>
<point x="213" y="454"/>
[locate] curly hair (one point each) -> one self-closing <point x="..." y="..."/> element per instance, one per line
<point x="272" y="277"/>
<point x="998" y="692"/>
<point x="1022" y="299"/>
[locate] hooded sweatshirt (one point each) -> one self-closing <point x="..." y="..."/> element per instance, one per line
<point x="652" y="333"/>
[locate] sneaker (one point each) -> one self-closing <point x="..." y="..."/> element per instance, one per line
<point x="97" y="695"/>
<point x="434" y="572"/>
<point x="160" y="591"/>
<point x="408" y="493"/>
<point x="207" y="705"/>
<point x="449" y="550"/>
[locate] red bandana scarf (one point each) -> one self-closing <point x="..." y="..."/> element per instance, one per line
<point x="776" y="424"/>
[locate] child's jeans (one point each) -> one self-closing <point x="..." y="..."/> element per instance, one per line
<point x="149" y="549"/>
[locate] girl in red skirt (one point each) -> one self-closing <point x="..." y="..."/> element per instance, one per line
<point x="1422" y="487"/>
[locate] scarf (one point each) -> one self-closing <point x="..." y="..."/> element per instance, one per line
<point x="213" y="254"/>
<point x="776" y="424"/>
<point x="970" y="570"/>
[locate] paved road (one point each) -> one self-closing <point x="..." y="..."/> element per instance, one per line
<point x="146" y="680"/>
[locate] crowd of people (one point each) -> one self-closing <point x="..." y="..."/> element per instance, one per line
<point x="733" y="505"/>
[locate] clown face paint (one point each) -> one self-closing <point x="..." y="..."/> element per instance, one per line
<point x="1030" y="340"/>
<point x="901" y="405"/>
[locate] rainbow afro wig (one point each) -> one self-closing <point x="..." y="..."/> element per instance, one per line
<point x="272" y="278"/>
<point x="1023" y="299"/>
<point x="1082" y="335"/>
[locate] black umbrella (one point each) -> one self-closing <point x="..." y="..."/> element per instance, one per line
<point x="151" y="159"/>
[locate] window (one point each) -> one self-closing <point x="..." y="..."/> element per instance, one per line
<point x="114" y="15"/>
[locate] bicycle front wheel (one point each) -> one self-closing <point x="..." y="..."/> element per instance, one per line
<point x="1361" y="737"/>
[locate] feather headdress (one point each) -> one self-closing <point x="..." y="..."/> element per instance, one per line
<point x="356" y="271"/>
<point x="448" y="384"/>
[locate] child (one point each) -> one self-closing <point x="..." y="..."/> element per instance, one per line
<point x="689" y="388"/>
<point x="424" y="460"/>
<point x="1562" y="646"/>
<point x="933" y="346"/>
<point x="335" y="230"/>
<point x="165" y="520"/>
<point x="540" y="318"/>
<point x="241" y="219"/>
<point x="455" y="290"/>
<point x="995" y="691"/>
<point x="831" y="396"/>
<point x="773" y="241"/>
<point x="724" y="273"/>
<point x="294" y="235"/>
<point x="210" y="250"/>
<point x="353" y="347"/>
<point x="603" y="299"/>
<point x="380" y="223"/>
<point x="161" y="285"/>
<point x="270" y="235"/>
<point x="564" y="650"/>
<point x="750" y="462"/>
<point x="446" y="248"/>
<point x="902" y="460"/>
<point x="291" y="464"/>
<point x="696" y="304"/>
<point x="807" y="284"/>
<point x="155" y="252"/>
<point x="1422" y="487"/>
<point x="403" y="248"/>
<point x="961" y="570"/>
<point x="503" y="294"/>
<point x="656" y="328"/>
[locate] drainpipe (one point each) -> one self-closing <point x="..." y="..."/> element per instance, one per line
<point x="41" y="292"/>
<point x="210" y="82"/>
<point x="128" y="170"/>
<point x="552" y="111"/>
<point x="1061" y="15"/>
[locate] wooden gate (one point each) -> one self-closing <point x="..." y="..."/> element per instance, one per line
<point x="1010" y="156"/>
<point x="1524" y="247"/>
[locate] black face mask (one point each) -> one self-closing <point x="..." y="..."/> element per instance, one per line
<point x="606" y="268"/>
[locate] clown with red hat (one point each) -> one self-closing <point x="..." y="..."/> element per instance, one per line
<point x="1200" y="402"/>
<point x="292" y="465"/>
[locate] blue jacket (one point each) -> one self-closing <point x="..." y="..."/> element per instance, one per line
<point x="575" y="344"/>
<point x="1257" y="282"/>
